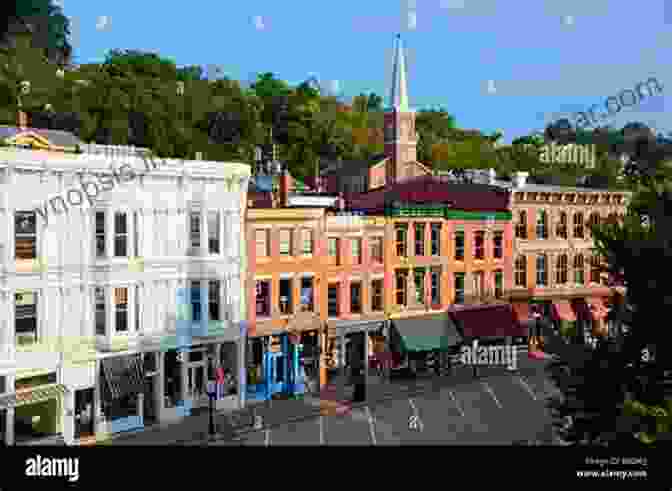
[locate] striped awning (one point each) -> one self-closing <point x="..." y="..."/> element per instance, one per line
<point x="31" y="396"/>
<point x="123" y="375"/>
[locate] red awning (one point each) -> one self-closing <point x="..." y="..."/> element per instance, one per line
<point x="580" y="308"/>
<point x="597" y="308"/>
<point x="562" y="311"/>
<point x="521" y="311"/>
<point x="485" y="321"/>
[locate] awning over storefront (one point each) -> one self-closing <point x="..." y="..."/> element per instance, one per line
<point x="488" y="321"/>
<point x="521" y="311"/>
<point x="425" y="333"/>
<point x="562" y="311"/>
<point x="349" y="327"/>
<point x="31" y="396"/>
<point x="598" y="310"/>
<point x="123" y="375"/>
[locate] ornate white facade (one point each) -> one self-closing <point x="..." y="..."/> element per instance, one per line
<point x="103" y="280"/>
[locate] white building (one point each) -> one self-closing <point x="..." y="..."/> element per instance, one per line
<point x="93" y="339"/>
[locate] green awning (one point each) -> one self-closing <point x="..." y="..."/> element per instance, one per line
<point x="425" y="333"/>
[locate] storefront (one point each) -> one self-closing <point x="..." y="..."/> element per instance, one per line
<point x="285" y="363"/>
<point x="352" y="352"/>
<point x="32" y="412"/>
<point x="424" y="343"/>
<point x="122" y="388"/>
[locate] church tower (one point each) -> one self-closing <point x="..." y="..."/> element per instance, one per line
<point x="400" y="136"/>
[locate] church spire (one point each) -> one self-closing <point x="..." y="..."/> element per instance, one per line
<point x="399" y="92"/>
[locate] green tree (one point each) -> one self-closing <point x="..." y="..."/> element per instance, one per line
<point x="434" y="126"/>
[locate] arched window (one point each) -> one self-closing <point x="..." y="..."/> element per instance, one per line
<point x="542" y="225"/>
<point x="521" y="271"/>
<point x="578" y="269"/>
<point x="578" y="225"/>
<point x="594" y="220"/>
<point x="521" y="226"/>
<point x="613" y="218"/>
<point x="542" y="277"/>
<point x="561" y="270"/>
<point x="561" y="228"/>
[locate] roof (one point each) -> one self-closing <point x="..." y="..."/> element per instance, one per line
<point x="487" y="321"/>
<point x="545" y="188"/>
<point x="344" y="166"/>
<point x="432" y="189"/>
<point x="58" y="138"/>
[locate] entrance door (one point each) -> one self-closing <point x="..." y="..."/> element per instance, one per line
<point x="149" y="406"/>
<point x="84" y="421"/>
<point x="196" y="388"/>
<point x="276" y="375"/>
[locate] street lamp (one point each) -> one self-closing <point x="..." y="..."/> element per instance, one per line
<point x="212" y="394"/>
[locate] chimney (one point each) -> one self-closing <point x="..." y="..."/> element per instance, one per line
<point x="285" y="184"/>
<point x="520" y="178"/>
<point x="492" y="176"/>
<point x="21" y="119"/>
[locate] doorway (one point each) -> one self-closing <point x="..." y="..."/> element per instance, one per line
<point x="149" y="406"/>
<point x="84" y="421"/>
<point x="196" y="388"/>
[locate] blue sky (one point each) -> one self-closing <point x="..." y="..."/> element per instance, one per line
<point x="544" y="58"/>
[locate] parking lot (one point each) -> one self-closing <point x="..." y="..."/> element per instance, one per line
<point x="498" y="408"/>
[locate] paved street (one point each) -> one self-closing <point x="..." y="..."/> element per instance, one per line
<point x="498" y="408"/>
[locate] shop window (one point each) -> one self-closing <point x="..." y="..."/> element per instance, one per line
<point x="436" y="239"/>
<point x="521" y="271"/>
<point x="307" y="242"/>
<point x="499" y="283"/>
<point x="100" y="310"/>
<point x="285" y="242"/>
<point x="307" y="294"/>
<point x="578" y="269"/>
<point x="25" y="235"/>
<point x="459" y="246"/>
<point x="479" y="245"/>
<point x="419" y="239"/>
<point x="459" y="288"/>
<point x="26" y="318"/>
<point x="377" y="295"/>
<point x="334" y="251"/>
<point x="561" y="270"/>
<point x="356" y="251"/>
<point x="100" y="234"/>
<point x="195" y="294"/>
<point x="172" y="373"/>
<point x="542" y="225"/>
<point x="521" y="225"/>
<point x="213" y="232"/>
<point x="195" y="229"/>
<point x="213" y="300"/>
<point x="263" y="298"/>
<point x="498" y="245"/>
<point x="435" y="280"/>
<point x="400" y="235"/>
<point x="149" y="363"/>
<point x="541" y="270"/>
<point x="286" y="298"/>
<point x="121" y="309"/>
<point x="594" y="220"/>
<point x="120" y="234"/>
<point x="578" y="225"/>
<point x="376" y="244"/>
<point x="333" y="300"/>
<point x="355" y="298"/>
<point x="262" y="243"/>
<point x="400" y="287"/>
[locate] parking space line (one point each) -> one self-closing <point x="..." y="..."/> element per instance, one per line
<point x="416" y="414"/>
<point x="372" y="430"/>
<point x="491" y="392"/>
<point x="457" y="404"/>
<point x="321" y="430"/>
<point x="526" y="386"/>
<point x="267" y="441"/>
